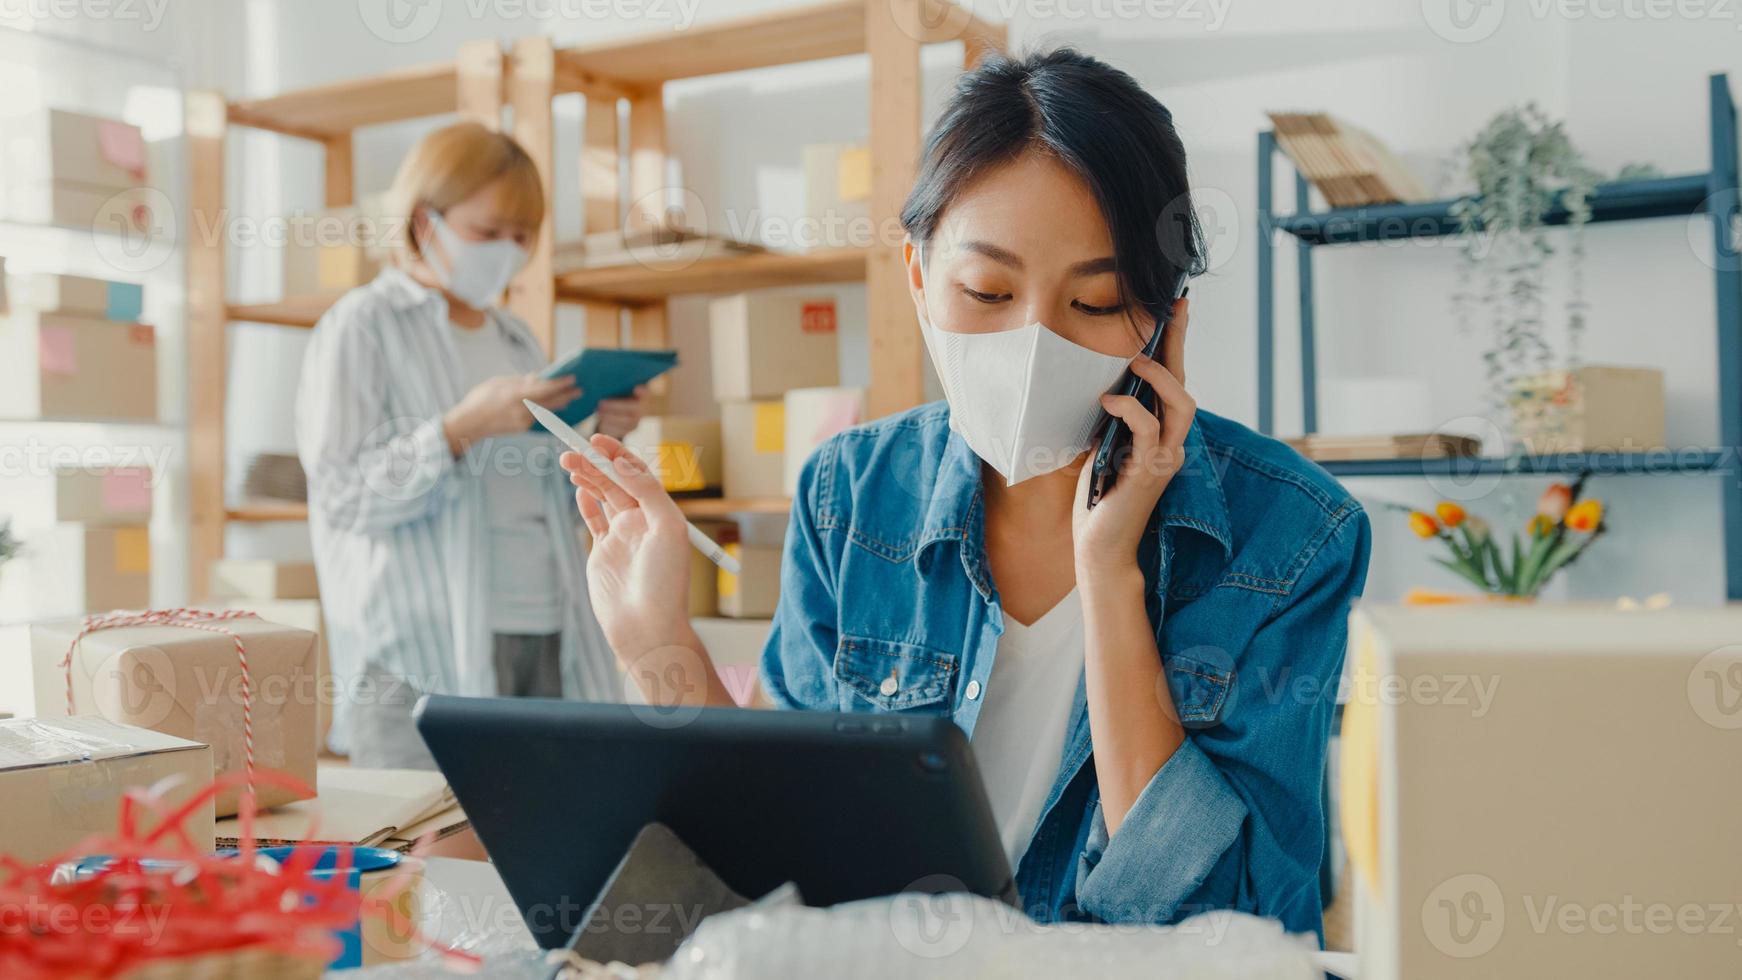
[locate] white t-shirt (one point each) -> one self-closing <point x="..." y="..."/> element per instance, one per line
<point x="525" y="586"/>
<point x="1019" y="740"/>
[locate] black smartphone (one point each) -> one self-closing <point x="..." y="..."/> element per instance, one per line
<point x="1115" y="434"/>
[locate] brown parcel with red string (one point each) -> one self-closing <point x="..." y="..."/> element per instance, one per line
<point x="188" y="683"/>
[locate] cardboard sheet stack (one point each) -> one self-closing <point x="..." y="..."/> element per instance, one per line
<point x="1347" y="164"/>
<point x="287" y="593"/>
<point x="74" y="170"/>
<point x="367" y="807"/>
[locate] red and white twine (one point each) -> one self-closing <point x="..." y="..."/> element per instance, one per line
<point x="193" y="619"/>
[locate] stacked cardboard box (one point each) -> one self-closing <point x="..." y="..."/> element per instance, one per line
<point x="837" y="195"/>
<point x="764" y="345"/>
<point x="72" y="347"/>
<point x="189" y="683"/>
<point x="812" y="416"/>
<point x="286" y="593"/>
<point x="337" y="249"/>
<point x="683" y="451"/>
<point x="67" y="168"/>
<point x="87" y="544"/>
<point x="74" y="771"/>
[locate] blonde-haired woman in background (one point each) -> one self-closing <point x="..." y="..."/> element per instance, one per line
<point x="443" y="529"/>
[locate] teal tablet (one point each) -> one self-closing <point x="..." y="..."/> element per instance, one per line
<point x="606" y="372"/>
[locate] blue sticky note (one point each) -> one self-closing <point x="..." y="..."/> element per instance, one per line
<point x="607" y="372"/>
<point x="125" y="301"/>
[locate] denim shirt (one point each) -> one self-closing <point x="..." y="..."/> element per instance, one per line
<point x="1251" y="561"/>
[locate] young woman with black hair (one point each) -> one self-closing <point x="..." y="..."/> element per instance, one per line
<point x="1151" y="716"/>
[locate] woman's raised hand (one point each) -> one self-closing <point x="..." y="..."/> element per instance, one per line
<point x="639" y="568"/>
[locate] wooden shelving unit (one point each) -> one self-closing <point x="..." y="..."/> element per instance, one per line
<point x="625" y="306"/>
<point x="728" y="506"/>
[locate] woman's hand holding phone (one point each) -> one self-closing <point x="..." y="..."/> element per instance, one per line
<point x="638" y="574"/>
<point x="1105" y="537"/>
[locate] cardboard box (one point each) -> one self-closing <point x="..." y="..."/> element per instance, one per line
<point x="837" y="193"/>
<point x="118" y="211"/>
<point x="754" y="438"/>
<point x="704" y="599"/>
<point x="813" y="415"/>
<point x="60" y="366"/>
<point x="1591" y="409"/>
<point x="332" y="251"/>
<point x="49" y="292"/>
<point x="754" y="592"/>
<point x="303" y="614"/>
<point x="81" y="568"/>
<point x="683" y="451"/>
<point x="187" y="682"/>
<point x="263" y="578"/>
<point x="107" y="496"/>
<point x="1477" y="857"/>
<point x="63" y="779"/>
<point x="766" y="343"/>
<point x="71" y="147"/>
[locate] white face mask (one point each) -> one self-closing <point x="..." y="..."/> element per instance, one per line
<point x="477" y="272"/>
<point x="1027" y="401"/>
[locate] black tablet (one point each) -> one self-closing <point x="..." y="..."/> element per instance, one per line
<point x="847" y="806"/>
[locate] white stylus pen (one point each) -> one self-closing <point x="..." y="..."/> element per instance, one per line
<point x="572" y="439"/>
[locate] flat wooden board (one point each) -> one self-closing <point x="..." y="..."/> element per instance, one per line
<point x="639" y="284"/>
<point x="340" y="107"/>
<point x="293" y="311"/>
<point x="804" y="33"/>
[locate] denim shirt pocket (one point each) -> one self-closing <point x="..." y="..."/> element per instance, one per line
<point x="887" y="675"/>
<point x="1199" y="689"/>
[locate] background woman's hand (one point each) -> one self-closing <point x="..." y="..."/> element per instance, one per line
<point x="493" y="407"/>
<point x="638" y="570"/>
<point x="1105" y="538"/>
<point x="619" y="416"/>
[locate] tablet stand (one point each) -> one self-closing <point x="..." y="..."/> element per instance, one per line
<point x="654" y="899"/>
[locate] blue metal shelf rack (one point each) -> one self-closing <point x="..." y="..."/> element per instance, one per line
<point x="1714" y="193"/>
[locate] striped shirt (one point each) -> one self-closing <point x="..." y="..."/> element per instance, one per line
<point x="400" y="528"/>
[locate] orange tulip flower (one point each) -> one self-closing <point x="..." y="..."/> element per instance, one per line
<point x="1451" y="515"/>
<point x="1585" y="515"/>
<point x="1554" y="502"/>
<point x="1423" y="525"/>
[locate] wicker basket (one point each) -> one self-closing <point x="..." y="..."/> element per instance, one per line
<point x="241" y="964"/>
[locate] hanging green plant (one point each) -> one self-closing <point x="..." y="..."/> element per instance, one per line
<point x="1519" y="167"/>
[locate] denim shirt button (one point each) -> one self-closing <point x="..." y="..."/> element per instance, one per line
<point x="889" y="686"/>
<point x="973" y="690"/>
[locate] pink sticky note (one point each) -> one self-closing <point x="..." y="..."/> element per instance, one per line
<point x="843" y="414"/>
<point x="740" y="682"/>
<point x="57" y="352"/>
<point x="122" y="145"/>
<point x="127" y="491"/>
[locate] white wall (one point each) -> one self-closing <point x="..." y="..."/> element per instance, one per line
<point x="1630" y="89"/>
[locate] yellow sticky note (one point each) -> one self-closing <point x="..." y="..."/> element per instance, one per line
<point x="337" y="267"/>
<point x="768" y="429"/>
<point x="727" y="582"/>
<point x="679" y="466"/>
<point x="853" y="173"/>
<point x="132" y="551"/>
